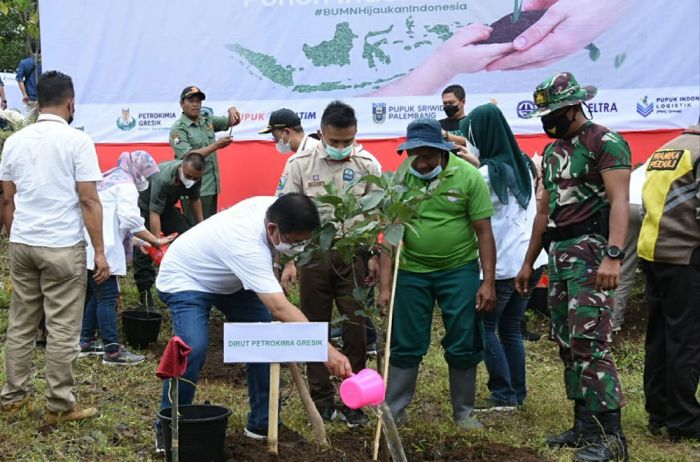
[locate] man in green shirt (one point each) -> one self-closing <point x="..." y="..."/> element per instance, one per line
<point x="175" y="180"/>
<point x="195" y="130"/>
<point x="439" y="263"/>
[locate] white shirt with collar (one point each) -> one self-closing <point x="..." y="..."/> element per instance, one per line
<point x="223" y="254"/>
<point x="44" y="161"/>
<point x="512" y="228"/>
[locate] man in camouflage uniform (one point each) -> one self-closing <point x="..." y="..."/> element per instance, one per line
<point x="195" y="131"/>
<point x="584" y="211"/>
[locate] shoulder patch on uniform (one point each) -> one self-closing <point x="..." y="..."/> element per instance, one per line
<point x="283" y="181"/>
<point x="348" y="174"/>
<point x="665" y="159"/>
<point x="175" y="137"/>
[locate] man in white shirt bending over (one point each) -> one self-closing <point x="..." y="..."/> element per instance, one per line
<point x="226" y="261"/>
<point x="49" y="173"/>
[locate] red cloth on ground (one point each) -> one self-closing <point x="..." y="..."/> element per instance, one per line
<point x="174" y="360"/>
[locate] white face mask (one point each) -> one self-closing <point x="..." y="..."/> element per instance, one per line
<point x="288" y="249"/>
<point x="186" y="182"/>
<point x="141" y="183"/>
<point x="282" y="147"/>
<point x="473" y="150"/>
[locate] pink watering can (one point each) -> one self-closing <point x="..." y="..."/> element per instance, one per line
<point x="366" y="388"/>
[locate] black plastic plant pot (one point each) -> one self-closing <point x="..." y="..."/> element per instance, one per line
<point x="201" y="430"/>
<point x="141" y="328"/>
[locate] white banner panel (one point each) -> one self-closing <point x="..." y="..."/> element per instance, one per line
<point x="390" y="59"/>
<point x="283" y="342"/>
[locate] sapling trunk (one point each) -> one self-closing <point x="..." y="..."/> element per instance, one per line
<point x="517" y="8"/>
<point x="316" y="421"/>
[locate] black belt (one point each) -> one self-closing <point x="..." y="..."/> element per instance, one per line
<point x="598" y="223"/>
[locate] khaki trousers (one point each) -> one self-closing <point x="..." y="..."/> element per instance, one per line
<point x="49" y="281"/>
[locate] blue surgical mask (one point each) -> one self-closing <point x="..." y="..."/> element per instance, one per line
<point x="426" y="176"/>
<point x="338" y="154"/>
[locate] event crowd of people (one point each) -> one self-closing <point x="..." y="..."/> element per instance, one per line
<point x="476" y="248"/>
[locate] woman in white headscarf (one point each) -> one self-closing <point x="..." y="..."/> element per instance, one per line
<point x="118" y="191"/>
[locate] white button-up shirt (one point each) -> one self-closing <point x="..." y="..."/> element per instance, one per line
<point x="44" y="161"/>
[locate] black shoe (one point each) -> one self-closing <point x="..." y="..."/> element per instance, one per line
<point x="680" y="437"/>
<point x="160" y="443"/>
<point x="354" y="417"/>
<point x="609" y="442"/>
<point x="655" y="428"/>
<point x="328" y="414"/>
<point x="255" y="433"/>
<point x="372" y="349"/>
<point x="531" y="336"/>
<point x="490" y="405"/>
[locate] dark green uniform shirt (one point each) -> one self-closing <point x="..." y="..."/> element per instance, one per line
<point x="187" y="135"/>
<point x="164" y="190"/>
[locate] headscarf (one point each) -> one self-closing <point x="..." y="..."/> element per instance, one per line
<point x="132" y="167"/>
<point x="509" y="169"/>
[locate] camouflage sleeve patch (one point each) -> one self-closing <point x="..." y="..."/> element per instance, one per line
<point x="614" y="152"/>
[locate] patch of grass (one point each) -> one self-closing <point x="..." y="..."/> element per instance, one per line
<point x="128" y="399"/>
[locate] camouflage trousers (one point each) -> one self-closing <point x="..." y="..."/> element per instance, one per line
<point x="582" y="323"/>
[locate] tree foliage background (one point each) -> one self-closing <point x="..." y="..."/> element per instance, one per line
<point x="19" y="25"/>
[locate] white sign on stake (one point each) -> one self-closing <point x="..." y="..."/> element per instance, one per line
<point x="282" y="342"/>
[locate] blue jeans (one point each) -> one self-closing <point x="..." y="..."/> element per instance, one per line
<point x="505" y="353"/>
<point x="101" y="312"/>
<point x="190" y="313"/>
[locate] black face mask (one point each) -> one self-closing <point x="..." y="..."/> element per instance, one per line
<point x="557" y="126"/>
<point x="451" y="109"/>
<point x="70" y="118"/>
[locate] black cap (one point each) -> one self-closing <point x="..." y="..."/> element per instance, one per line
<point x="281" y="118"/>
<point x="191" y="91"/>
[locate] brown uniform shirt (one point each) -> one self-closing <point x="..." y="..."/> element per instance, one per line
<point x="309" y="171"/>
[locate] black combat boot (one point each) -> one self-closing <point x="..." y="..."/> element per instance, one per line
<point x="574" y="437"/>
<point x="609" y="442"/>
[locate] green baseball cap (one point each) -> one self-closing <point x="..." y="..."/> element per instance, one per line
<point x="559" y="91"/>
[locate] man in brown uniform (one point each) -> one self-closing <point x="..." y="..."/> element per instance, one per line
<point x="339" y="160"/>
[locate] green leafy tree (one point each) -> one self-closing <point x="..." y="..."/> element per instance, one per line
<point x="19" y="27"/>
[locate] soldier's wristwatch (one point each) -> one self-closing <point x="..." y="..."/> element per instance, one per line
<point x="614" y="252"/>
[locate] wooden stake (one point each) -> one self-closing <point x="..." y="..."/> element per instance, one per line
<point x="387" y="347"/>
<point x="273" y="415"/>
<point x="317" y="424"/>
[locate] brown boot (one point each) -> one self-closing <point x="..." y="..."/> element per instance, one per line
<point x="16" y="406"/>
<point x="53" y="418"/>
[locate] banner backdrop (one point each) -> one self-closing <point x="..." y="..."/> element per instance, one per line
<point x="390" y="59"/>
